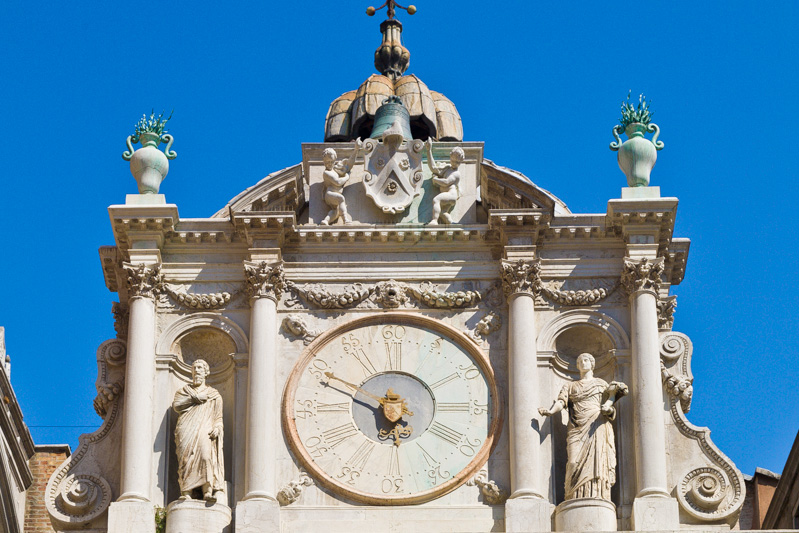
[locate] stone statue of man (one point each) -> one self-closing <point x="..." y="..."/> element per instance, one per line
<point x="199" y="435"/>
<point x="590" y="445"/>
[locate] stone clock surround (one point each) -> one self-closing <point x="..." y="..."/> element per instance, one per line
<point x="448" y="333"/>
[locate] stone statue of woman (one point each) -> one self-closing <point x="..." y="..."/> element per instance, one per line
<point x="590" y="446"/>
<point x="199" y="435"/>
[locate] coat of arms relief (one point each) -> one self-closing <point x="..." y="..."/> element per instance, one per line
<point x="393" y="170"/>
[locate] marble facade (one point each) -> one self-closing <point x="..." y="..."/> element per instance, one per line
<point x="512" y="282"/>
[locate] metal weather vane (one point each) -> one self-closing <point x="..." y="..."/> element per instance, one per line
<point x="390" y="5"/>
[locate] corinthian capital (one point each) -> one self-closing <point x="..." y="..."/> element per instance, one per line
<point x="520" y="277"/>
<point x="643" y="275"/>
<point x="264" y="281"/>
<point x="143" y="280"/>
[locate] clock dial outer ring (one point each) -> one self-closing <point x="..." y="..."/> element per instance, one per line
<point x="452" y="334"/>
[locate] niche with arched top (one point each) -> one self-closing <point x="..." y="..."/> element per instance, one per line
<point x="217" y="348"/>
<point x="569" y="343"/>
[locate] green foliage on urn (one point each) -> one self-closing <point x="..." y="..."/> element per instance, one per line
<point x="631" y="114"/>
<point x="153" y="124"/>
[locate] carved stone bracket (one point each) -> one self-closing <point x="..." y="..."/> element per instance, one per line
<point x="487" y="325"/>
<point x="666" y="307"/>
<point x="492" y="494"/>
<point x="291" y="491"/>
<point x="198" y="301"/>
<point x="264" y="281"/>
<point x="643" y="275"/>
<point x="520" y="277"/>
<point x="319" y="296"/>
<point x="297" y="326"/>
<point x="142" y="280"/>
<point x="579" y="297"/>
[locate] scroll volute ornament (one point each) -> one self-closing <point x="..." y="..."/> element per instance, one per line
<point x="264" y="281"/>
<point x="520" y="277"/>
<point x="643" y="275"/>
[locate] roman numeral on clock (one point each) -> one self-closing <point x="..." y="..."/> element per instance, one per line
<point x="443" y="381"/>
<point x="329" y="407"/>
<point x="339" y="434"/>
<point x="359" y="458"/>
<point x="446" y="433"/>
<point x="462" y="407"/>
<point x="393" y="355"/>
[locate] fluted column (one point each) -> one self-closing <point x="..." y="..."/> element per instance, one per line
<point x="527" y="508"/>
<point x="653" y="508"/>
<point x="265" y="285"/>
<point x="143" y="283"/>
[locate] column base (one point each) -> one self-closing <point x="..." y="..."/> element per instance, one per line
<point x="131" y="517"/>
<point x="197" y="516"/>
<point x="655" y="513"/>
<point x="258" y="516"/>
<point x="586" y="514"/>
<point x="528" y="515"/>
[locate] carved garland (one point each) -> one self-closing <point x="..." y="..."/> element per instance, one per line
<point x="391" y="294"/>
<point x="492" y="494"/>
<point x="579" y="297"/>
<point x="199" y="301"/>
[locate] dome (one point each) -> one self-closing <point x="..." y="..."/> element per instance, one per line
<point x="352" y="114"/>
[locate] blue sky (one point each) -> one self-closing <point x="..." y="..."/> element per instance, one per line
<point x="539" y="82"/>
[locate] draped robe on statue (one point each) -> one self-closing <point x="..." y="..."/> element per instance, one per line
<point x="590" y="447"/>
<point x="200" y="458"/>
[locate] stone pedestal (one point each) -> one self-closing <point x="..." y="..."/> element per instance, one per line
<point x="528" y="515"/>
<point x="585" y="514"/>
<point x="655" y="513"/>
<point x="131" y="517"/>
<point x="258" y="516"/>
<point x="197" y="516"/>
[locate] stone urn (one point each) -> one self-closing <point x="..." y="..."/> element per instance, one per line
<point x="637" y="155"/>
<point x="148" y="164"/>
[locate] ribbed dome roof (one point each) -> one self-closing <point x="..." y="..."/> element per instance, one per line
<point x="352" y="114"/>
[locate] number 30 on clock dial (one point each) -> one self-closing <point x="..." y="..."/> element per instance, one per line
<point x="392" y="409"/>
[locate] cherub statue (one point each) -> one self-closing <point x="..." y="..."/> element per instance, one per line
<point x="446" y="177"/>
<point x="335" y="176"/>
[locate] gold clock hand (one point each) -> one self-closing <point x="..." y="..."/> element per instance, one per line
<point x="330" y="375"/>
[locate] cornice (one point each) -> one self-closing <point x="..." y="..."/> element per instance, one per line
<point x="389" y="233"/>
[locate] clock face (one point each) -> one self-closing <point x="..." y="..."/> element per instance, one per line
<point x="392" y="409"/>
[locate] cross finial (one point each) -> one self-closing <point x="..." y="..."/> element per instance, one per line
<point x="390" y="5"/>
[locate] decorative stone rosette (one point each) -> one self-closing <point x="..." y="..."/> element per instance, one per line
<point x="708" y="494"/>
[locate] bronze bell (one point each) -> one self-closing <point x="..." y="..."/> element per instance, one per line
<point x="392" y="110"/>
